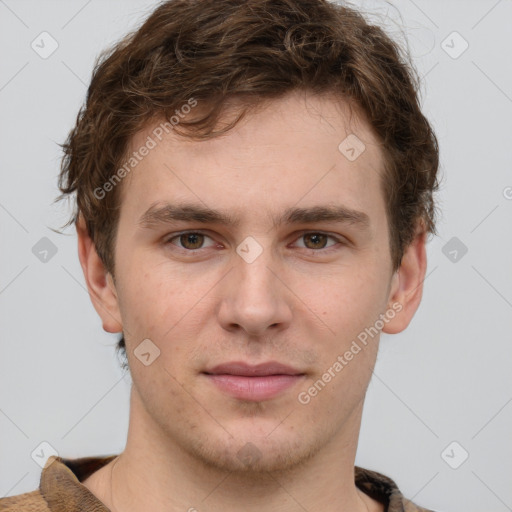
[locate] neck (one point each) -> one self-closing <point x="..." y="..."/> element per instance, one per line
<point x="154" y="473"/>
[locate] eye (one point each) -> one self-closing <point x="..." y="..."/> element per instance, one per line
<point x="190" y="240"/>
<point x="317" y="240"/>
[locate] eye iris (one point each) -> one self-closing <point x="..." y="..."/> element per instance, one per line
<point x="315" y="238"/>
<point x="192" y="238"/>
<point x="195" y="240"/>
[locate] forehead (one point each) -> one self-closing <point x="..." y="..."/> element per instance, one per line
<point x="296" y="150"/>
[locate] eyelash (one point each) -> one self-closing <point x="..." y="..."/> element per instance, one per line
<point x="168" y="241"/>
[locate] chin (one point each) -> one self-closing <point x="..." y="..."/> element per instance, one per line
<point x="254" y="455"/>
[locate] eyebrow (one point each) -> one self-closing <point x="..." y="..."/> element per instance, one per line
<point x="169" y="213"/>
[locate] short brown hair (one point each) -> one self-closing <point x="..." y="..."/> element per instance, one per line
<point x="216" y="50"/>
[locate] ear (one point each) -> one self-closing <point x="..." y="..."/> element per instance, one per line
<point x="407" y="283"/>
<point x="99" y="282"/>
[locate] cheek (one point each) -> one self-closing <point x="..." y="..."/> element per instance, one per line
<point x="346" y="302"/>
<point x="348" y="349"/>
<point x="156" y="296"/>
<point x="167" y="308"/>
<point x="348" y="307"/>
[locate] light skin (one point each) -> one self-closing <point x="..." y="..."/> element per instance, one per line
<point x="301" y="302"/>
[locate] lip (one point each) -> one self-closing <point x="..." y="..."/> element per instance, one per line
<point x="253" y="382"/>
<point x="247" y="370"/>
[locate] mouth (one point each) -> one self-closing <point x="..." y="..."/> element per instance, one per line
<point x="253" y="382"/>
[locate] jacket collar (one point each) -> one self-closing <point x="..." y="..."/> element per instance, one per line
<point x="62" y="489"/>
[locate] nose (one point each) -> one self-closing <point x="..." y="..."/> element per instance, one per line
<point x="254" y="298"/>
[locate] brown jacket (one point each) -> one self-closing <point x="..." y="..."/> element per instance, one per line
<point x="60" y="489"/>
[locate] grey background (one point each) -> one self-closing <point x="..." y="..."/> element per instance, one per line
<point x="446" y="378"/>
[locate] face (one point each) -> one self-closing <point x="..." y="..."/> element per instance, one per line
<point x="288" y="265"/>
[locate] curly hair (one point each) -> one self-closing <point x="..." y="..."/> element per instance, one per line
<point x="252" y="50"/>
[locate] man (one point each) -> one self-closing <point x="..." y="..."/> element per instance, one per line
<point x="254" y="185"/>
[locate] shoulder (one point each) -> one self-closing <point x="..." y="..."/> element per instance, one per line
<point x="385" y="490"/>
<point x="28" y="502"/>
<point x="60" y="487"/>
